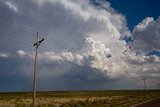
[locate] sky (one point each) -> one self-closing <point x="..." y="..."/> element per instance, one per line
<point x="136" y="10"/>
<point x="88" y="44"/>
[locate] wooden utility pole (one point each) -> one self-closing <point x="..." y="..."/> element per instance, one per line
<point x="158" y="86"/>
<point x="37" y="44"/>
<point x="144" y="81"/>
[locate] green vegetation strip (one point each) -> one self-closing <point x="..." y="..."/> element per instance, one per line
<point x="78" y="98"/>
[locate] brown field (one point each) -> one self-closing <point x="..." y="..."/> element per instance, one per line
<point x="121" y="98"/>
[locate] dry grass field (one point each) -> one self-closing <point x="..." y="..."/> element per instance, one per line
<point x="78" y="98"/>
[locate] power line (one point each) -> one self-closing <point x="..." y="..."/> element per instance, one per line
<point x="47" y="38"/>
<point x="61" y="44"/>
<point x="21" y="42"/>
<point x="17" y="41"/>
<point x="21" y="28"/>
<point x="18" y="26"/>
<point x="51" y="40"/>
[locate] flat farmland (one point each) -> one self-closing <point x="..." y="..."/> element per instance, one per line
<point x="116" y="98"/>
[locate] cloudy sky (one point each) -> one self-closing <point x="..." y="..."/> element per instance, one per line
<point x="88" y="44"/>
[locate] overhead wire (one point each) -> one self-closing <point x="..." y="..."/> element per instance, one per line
<point x="17" y="41"/>
<point x="32" y="33"/>
<point x="17" y="26"/>
<point x="61" y="43"/>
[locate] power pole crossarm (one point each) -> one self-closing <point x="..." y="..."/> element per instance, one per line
<point x="37" y="44"/>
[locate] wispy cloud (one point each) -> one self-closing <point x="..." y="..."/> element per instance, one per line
<point x="22" y="53"/>
<point x="12" y="6"/>
<point x="3" y="55"/>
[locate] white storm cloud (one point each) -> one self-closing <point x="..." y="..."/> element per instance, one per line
<point x="94" y="32"/>
<point x="98" y="32"/>
<point x="146" y="35"/>
<point x="93" y="57"/>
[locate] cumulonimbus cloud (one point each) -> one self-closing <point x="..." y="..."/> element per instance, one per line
<point x="95" y="33"/>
